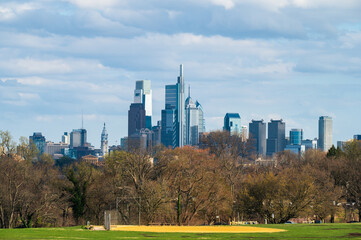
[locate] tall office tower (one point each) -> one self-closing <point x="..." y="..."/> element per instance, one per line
<point x="65" y="138"/>
<point x="232" y="123"/>
<point x="173" y="114"/>
<point x="296" y="137"/>
<point x="257" y="135"/>
<point x="143" y="94"/>
<point x="201" y="121"/>
<point x="136" y="118"/>
<point x="168" y="115"/>
<point x="78" y="138"/>
<point x="39" y="140"/>
<point x="178" y="134"/>
<point x="192" y="116"/>
<point x="325" y="133"/>
<point x="104" y="146"/>
<point x="276" y="137"/>
<point x="244" y="133"/>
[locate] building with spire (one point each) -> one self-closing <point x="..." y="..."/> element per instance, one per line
<point x="172" y="133"/>
<point x="104" y="145"/>
<point x="194" y="121"/>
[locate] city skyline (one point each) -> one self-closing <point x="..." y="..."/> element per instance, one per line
<point x="295" y="60"/>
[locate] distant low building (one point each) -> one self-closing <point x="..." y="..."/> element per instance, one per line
<point x="91" y="160"/>
<point x="55" y="148"/>
<point x="296" y="149"/>
<point x="310" y="144"/>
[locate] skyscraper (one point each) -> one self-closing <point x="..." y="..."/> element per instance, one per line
<point x="178" y="137"/>
<point x="194" y="122"/>
<point x="276" y="141"/>
<point x="39" y="140"/>
<point x="168" y="115"/>
<point x="78" y="138"/>
<point x="325" y="133"/>
<point x="296" y="136"/>
<point x="136" y="118"/>
<point x="173" y="114"/>
<point x="104" y="146"/>
<point x="257" y="135"/>
<point x="201" y="122"/>
<point x="232" y="123"/>
<point x="143" y="94"/>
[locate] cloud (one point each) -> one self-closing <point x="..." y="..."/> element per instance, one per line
<point x="227" y="4"/>
<point x="103" y="4"/>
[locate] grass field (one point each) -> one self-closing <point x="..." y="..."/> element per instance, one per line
<point x="293" y="231"/>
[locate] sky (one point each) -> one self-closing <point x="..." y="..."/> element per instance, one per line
<point x="290" y="59"/>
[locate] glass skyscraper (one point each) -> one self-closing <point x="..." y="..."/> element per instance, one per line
<point x="232" y="123"/>
<point x="276" y="141"/>
<point x="143" y="94"/>
<point x="325" y="133"/>
<point x="257" y="136"/>
<point x="296" y="136"/>
<point x="173" y="114"/>
<point x="194" y="121"/>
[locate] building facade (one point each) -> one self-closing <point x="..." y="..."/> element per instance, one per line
<point x="310" y="144"/>
<point x="78" y="138"/>
<point x="136" y="118"/>
<point x="325" y="133"/>
<point x="276" y="140"/>
<point x="257" y="136"/>
<point x="173" y="118"/>
<point x="143" y="95"/>
<point x="39" y="140"/>
<point x="232" y="123"/>
<point x="296" y="137"/>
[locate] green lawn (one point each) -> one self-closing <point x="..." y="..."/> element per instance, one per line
<point x="294" y="231"/>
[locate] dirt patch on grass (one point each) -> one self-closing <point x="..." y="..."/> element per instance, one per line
<point x="355" y="234"/>
<point x="197" y="229"/>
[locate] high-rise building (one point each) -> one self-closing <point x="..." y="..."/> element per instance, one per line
<point x="357" y="137"/>
<point x="244" y="133"/>
<point x="296" y="137"/>
<point x="276" y="140"/>
<point x="257" y="136"/>
<point x="136" y="118"/>
<point x="178" y="136"/>
<point x="173" y="114"/>
<point x="325" y="133"/>
<point x="143" y="94"/>
<point x="201" y="121"/>
<point x="194" y="122"/>
<point x="104" y="145"/>
<point x="78" y="138"/>
<point x="167" y="129"/>
<point x="39" y="140"/>
<point x="232" y="123"/>
<point x="65" y="138"/>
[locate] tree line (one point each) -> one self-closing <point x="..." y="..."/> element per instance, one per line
<point x="215" y="183"/>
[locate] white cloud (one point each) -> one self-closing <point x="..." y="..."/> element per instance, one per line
<point x="96" y="4"/>
<point x="227" y="4"/>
